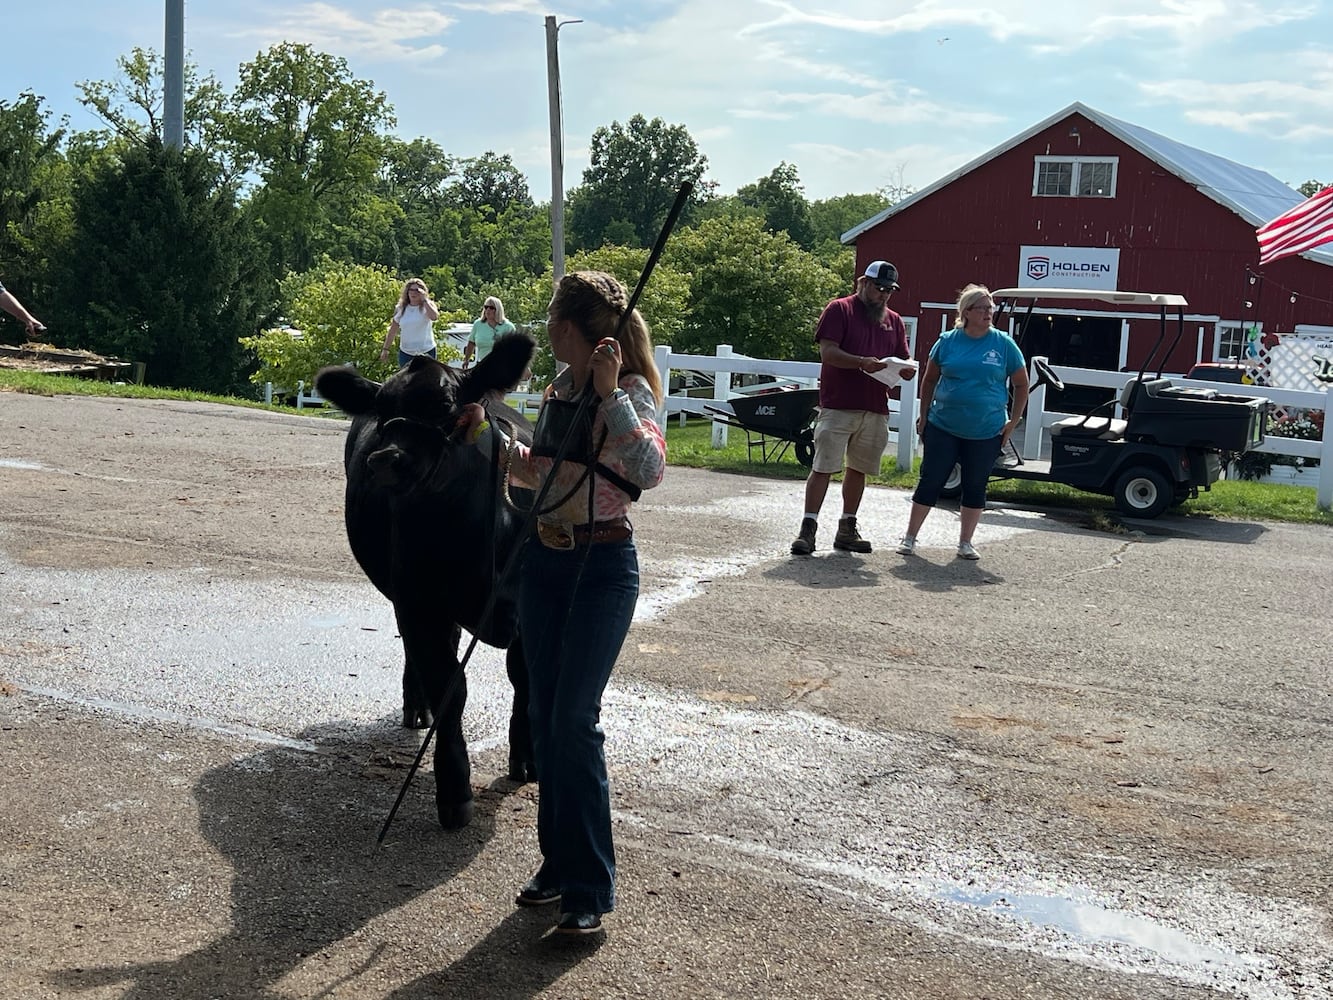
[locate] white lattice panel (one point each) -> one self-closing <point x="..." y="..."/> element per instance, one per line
<point x="1291" y="364"/>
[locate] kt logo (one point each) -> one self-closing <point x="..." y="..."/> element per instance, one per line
<point x="1039" y="268"/>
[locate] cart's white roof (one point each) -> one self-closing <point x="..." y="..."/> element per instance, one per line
<point x="1100" y="295"/>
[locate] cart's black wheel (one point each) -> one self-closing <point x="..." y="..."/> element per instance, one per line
<point x="953" y="486"/>
<point x="1046" y="375"/>
<point x="1143" y="492"/>
<point x="805" y="447"/>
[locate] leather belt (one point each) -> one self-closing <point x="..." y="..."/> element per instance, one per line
<point x="567" y="536"/>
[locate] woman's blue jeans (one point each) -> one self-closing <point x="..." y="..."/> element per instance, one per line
<point x="941" y="451"/>
<point x="404" y="358"/>
<point x="573" y="623"/>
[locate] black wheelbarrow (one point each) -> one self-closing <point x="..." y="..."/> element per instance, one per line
<point x="787" y="417"/>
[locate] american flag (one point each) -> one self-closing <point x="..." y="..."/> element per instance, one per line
<point x="1308" y="225"/>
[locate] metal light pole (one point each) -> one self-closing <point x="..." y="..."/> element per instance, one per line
<point x="173" y="77"/>
<point x="557" y="147"/>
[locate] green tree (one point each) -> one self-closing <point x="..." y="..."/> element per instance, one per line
<point x="314" y="134"/>
<point x="831" y="217"/>
<point x="631" y="181"/>
<point x="491" y="184"/>
<point x="339" y="314"/>
<point x="750" y="288"/>
<point x="727" y="206"/>
<point x="415" y="174"/>
<point x="34" y="195"/>
<point x="162" y="268"/>
<point x="663" y="302"/>
<point x="362" y="226"/>
<point x="1311" y="188"/>
<point x="781" y="199"/>
<point x="131" y="105"/>
<point x="512" y="246"/>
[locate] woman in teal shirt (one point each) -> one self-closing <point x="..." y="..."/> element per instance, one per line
<point x="965" y="418"/>
<point x="489" y="328"/>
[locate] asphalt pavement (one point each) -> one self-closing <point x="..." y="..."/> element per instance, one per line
<point x="1094" y="764"/>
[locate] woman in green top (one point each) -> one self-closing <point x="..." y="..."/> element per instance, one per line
<point x="486" y="331"/>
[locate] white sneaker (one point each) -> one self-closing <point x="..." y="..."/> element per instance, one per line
<point x="907" y="546"/>
<point x="966" y="551"/>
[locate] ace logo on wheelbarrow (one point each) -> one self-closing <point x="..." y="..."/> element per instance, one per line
<point x="787" y="416"/>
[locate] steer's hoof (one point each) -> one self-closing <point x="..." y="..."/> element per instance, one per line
<point x="522" y="771"/>
<point x="454" y="815"/>
<point x="417" y="718"/>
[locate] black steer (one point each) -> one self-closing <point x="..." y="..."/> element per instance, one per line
<point x="426" y="523"/>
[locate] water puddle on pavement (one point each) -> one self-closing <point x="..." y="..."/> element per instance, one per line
<point x="1092" y="923"/>
<point x="883" y="819"/>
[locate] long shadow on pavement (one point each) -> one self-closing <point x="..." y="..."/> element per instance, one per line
<point x="510" y="963"/>
<point x="307" y="870"/>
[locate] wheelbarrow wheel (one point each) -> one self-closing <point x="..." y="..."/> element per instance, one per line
<point x="805" y="447"/>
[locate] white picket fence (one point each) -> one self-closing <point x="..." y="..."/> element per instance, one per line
<point x="1035" y="436"/>
<point x="902" y="412"/>
<point x="305" y="395"/>
<point x="724" y="364"/>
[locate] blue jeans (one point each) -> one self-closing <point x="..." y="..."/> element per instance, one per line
<point x="573" y="625"/>
<point x="403" y="358"/>
<point x="941" y="452"/>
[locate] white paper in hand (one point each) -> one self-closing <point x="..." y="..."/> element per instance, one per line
<point x="890" y="376"/>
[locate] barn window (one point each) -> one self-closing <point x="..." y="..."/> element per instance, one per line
<point x="1231" y="339"/>
<point x="1074" y="177"/>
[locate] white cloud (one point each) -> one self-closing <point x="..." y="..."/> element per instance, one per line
<point x="863" y="169"/>
<point x="761" y="114"/>
<point x="1190" y="22"/>
<point x="505" y="7"/>
<point x="880" y="108"/>
<point x="1297" y="107"/>
<point x="381" y="34"/>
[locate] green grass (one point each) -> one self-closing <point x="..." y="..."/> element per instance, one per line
<point x="14" y="380"/>
<point x="691" y="446"/>
<point x="1237" y="500"/>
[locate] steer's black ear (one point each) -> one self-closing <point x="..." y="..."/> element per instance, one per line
<point x="500" y="370"/>
<point x="343" y="386"/>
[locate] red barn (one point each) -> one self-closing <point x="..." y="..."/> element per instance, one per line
<point x="1085" y="200"/>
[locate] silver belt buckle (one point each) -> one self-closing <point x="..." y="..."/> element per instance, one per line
<point x="555" y="536"/>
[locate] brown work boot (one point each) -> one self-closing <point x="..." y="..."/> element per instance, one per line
<point x="848" y="538"/>
<point x="805" y="541"/>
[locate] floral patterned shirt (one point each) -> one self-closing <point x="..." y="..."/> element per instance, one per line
<point x="635" y="449"/>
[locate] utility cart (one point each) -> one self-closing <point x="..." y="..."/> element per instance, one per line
<point x="1170" y="442"/>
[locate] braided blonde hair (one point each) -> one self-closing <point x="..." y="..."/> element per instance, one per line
<point x="594" y="301"/>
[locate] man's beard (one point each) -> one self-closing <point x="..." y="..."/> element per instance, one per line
<point x="877" y="310"/>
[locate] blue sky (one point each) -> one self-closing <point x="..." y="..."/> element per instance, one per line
<point x="858" y="95"/>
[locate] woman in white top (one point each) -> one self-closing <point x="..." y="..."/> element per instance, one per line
<point x="411" y="324"/>
<point x="488" y="328"/>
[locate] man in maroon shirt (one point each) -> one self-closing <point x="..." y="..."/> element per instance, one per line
<point x="854" y="334"/>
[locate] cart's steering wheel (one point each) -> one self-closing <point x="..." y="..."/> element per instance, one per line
<point x="1046" y="375"/>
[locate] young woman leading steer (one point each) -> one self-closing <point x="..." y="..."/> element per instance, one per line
<point x="581" y="578"/>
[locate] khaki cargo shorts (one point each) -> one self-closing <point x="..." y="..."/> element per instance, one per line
<point x="857" y="435"/>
